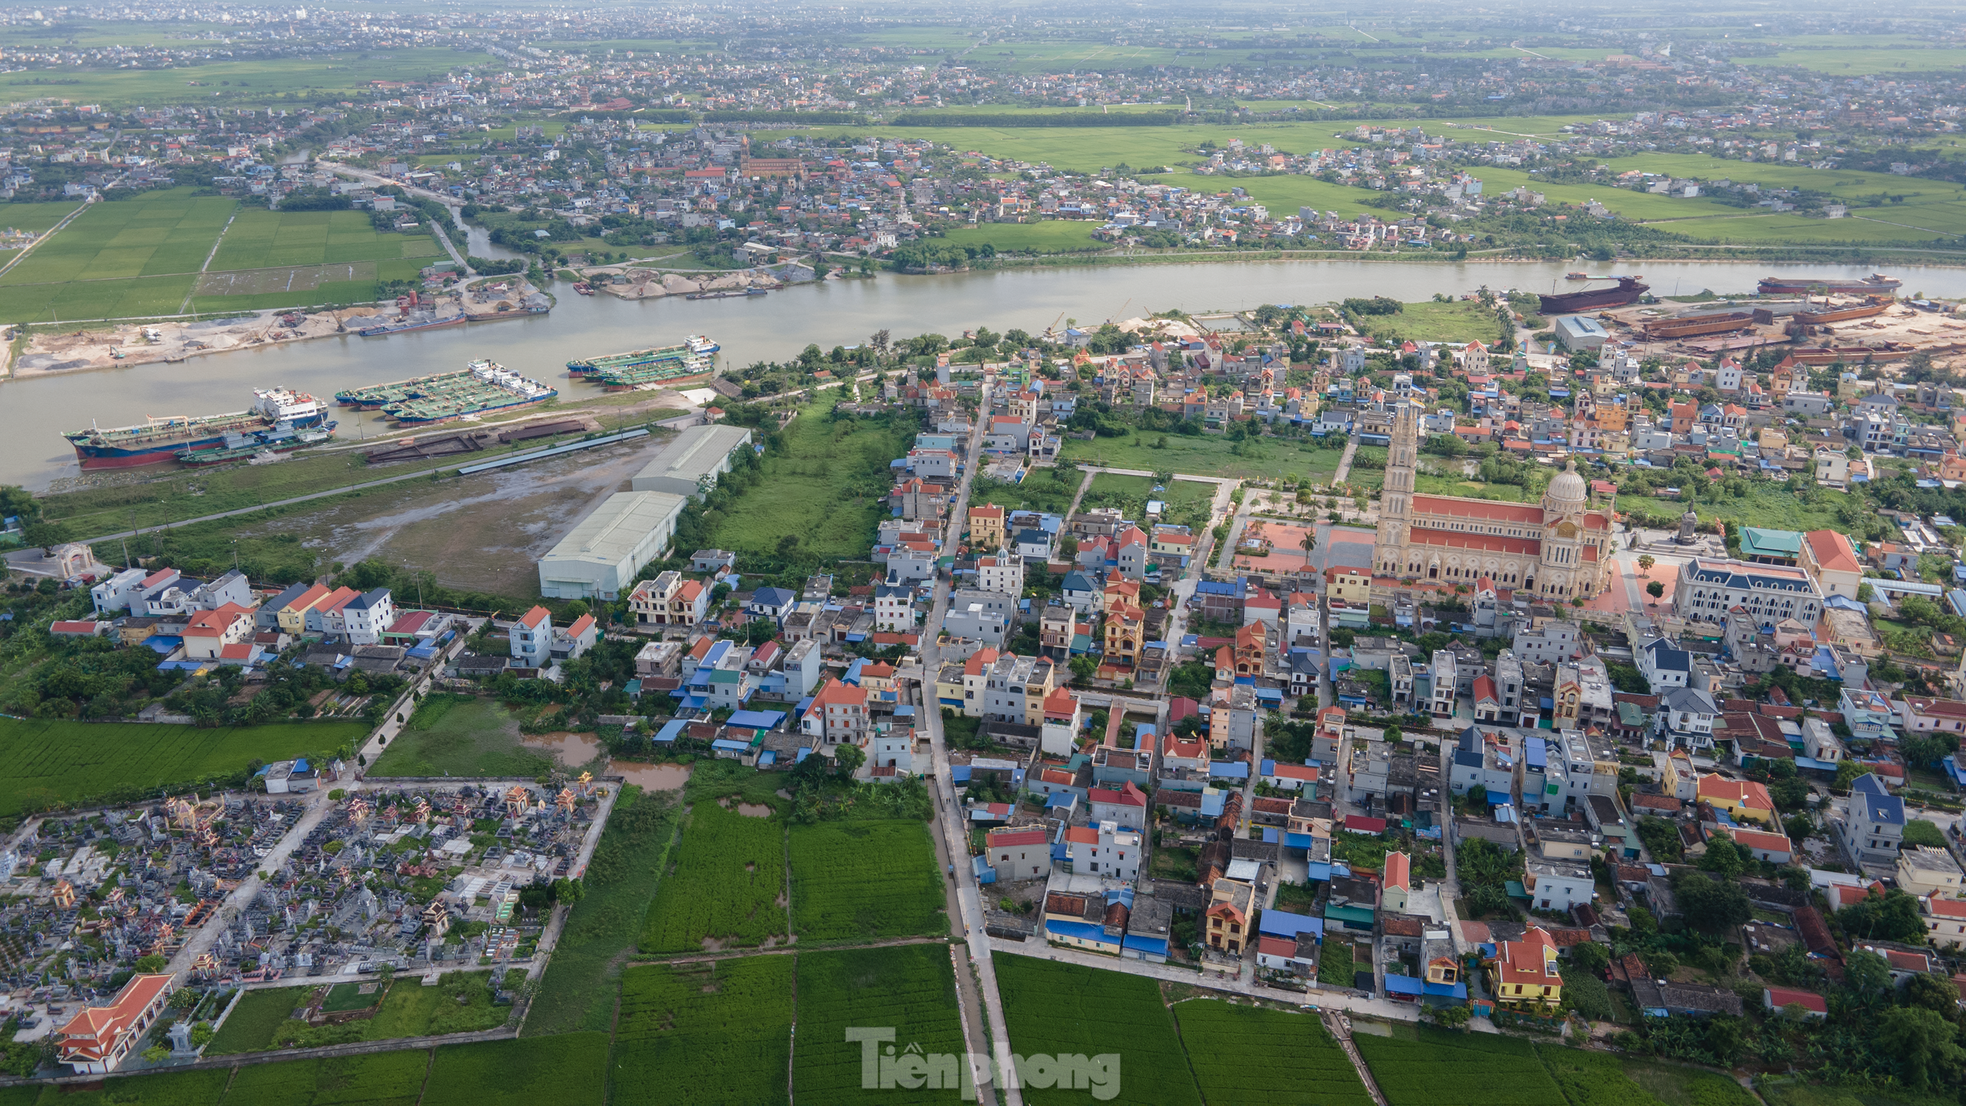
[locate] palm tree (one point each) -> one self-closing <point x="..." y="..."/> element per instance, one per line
<point x="1310" y="541"/>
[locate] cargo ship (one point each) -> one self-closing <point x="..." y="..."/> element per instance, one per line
<point x="1876" y="282"/>
<point x="696" y="350"/>
<point x="414" y="322"/>
<point x="275" y="413"/>
<point x="245" y="447"/>
<point x="727" y="294"/>
<point x="1818" y="316"/>
<point x="1628" y="290"/>
<point x="483" y="387"/>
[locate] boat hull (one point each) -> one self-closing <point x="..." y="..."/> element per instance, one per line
<point x="432" y="420"/>
<point x="405" y="328"/>
<point x="1629" y="289"/>
<point x="1803" y="285"/>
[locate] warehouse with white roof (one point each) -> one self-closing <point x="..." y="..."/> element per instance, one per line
<point x="691" y="464"/>
<point x="598" y="559"/>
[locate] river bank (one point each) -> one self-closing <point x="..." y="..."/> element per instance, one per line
<point x="777" y="326"/>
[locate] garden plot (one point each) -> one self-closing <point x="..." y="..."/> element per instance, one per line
<point x="722" y="1029"/>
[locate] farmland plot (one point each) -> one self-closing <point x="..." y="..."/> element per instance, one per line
<point x="865" y="880"/>
<point x="173" y="1088"/>
<point x="1439" y="1068"/>
<point x="569" y="1070"/>
<point x="1062" y="1009"/>
<point x="260" y="1014"/>
<point x="62" y="760"/>
<point x="719" y="1032"/>
<point x="1601" y="1079"/>
<point x="378" y="1079"/>
<point x="1249" y="1054"/>
<point x="728" y="888"/>
<point x="911" y="988"/>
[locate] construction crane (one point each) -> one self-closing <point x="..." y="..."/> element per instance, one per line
<point x="1053" y="328"/>
<point x="1122" y="310"/>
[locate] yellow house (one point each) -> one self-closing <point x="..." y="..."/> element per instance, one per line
<point x="986" y="527"/>
<point x="1352" y="585"/>
<point x="1524" y="973"/>
<point x="1743" y="800"/>
<point x="292" y="618"/>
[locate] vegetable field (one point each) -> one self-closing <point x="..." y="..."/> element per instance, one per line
<point x="1250" y="1054"/>
<point x="565" y="1071"/>
<point x="49" y="761"/>
<point x="377" y="1079"/>
<point x="723" y="1030"/>
<point x="1062" y="1009"/>
<point x="1437" y="1068"/>
<point x="865" y="881"/>
<point x="728" y="888"/>
<point x="911" y="988"/>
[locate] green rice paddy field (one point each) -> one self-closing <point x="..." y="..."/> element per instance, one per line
<point x="46" y="762"/>
<point x="240" y="83"/>
<point x="144" y="256"/>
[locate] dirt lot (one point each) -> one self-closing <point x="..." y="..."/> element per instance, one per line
<point x="483" y="532"/>
<point x="81" y="350"/>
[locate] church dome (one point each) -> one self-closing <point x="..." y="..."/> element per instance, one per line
<point x="1567" y="489"/>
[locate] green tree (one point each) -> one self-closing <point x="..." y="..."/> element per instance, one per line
<point x="1723" y="857"/>
<point x="150" y="965"/>
<point x="1591" y="957"/>
<point x="1866" y="978"/>
<point x="848" y="759"/>
<point x="1656" y="590"/>
<point x="1920" y="831"/>
<point x="1924" y="1043"/>
<point x="1709" y="905"/>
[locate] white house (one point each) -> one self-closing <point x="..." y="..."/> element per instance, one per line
<point x="532" y="638"/>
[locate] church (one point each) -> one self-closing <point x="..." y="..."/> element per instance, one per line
<point x="1556" y="550"/>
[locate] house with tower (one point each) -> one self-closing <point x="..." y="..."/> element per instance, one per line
<point x="1555" y="550"/>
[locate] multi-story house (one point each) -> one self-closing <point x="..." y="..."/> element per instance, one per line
<point x="837" y="713"/>
<point x="1873" y="829"/>
<point x="1708" y="589"/>
<point x="1001" y="572"/>
<point x="1104" y="850"/>
<point x="894" y="608"/>
<point x="532" y="638"/>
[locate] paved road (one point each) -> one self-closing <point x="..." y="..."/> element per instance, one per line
<point x="1345" y="462"/>
<point x="949" y="819"/>
<point x="1325" y="1000"/>
<point x="242" y="896"/>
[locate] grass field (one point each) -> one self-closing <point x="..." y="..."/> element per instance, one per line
<point x="171" y="1088"/>
<point x="1461" y="322"/>
<point x="579" y="988"/>
<point x="1857" y="61"/>
<point x="459" y="1003"/>
<point x="728" y="886"/>
<point x="570" y="1069"/>
<point x="260" y="239"/>
<point x="911" y="989"/>
<point x="1199" y="455"/>
<point x="51" y="761"/>
<point x="1042" y="489"/>
<point x="251" y="1025"/>
<point x="377" y="1079"/>
<point x="1062" y="1009"/>
<point x="1057" y="236"/>
<point x="1249" y="1054"/>
<point x="460" y="736"/>
<point x="829" y="488"/>
<point x="1770" y="506"/>
<point x="242" y="83"/>
<point x="723" y="1030"/>
<point x="865" y="881"/>
<point x="1601" y="1079"/>
<point x="1430" y="484"/>
<point x="1796" y="1092"/>
<point x="1187" y="500"/>
<point x="1432" y="1067"/>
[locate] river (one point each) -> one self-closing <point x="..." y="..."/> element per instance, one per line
<point x="774" y="327"/>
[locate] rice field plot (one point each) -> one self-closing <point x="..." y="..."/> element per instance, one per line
<point x="291" y="278"/>
<point x="716" y="1032"/>
<point x="34" y="217"/>
<point x="49" y="761"/>
<point x="1056" y="236"/>
<point x="157" y="233"/>
<point x="865" y="881"/>
<point x="75" y="301"/>
<point x="259" y="239"/>
<point x="569" y="1069"/>
<point x="728" y="887"/>
<point x="911" y="989"/>
<point x="170" y="1088"/>
<point x="1434" y="1067"/>
<point x="1250" y="1054"/>
<point x="1057" y="1009"/>
<point x="376" y="1079"/>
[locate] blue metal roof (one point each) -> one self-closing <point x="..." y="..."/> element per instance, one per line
<point x="670" y="731"/>
<point x="757" y="719"/>
<point x="1283" y="923"/>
